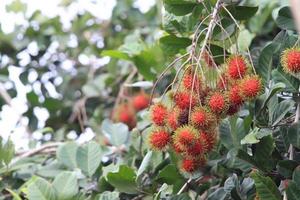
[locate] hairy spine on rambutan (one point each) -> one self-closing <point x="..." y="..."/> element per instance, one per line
<point x="140" y="101"/>
<point x="236" y="67"/>
<point x="250" y="87"/>
<point x="124" y="113"/>
<point x="202" y="118"/>
<point x="218" y="102"/>
<point x="185" y="136"/>
<point x="290" y="60"/>
<point x="209" y="140"/>
<point x="172" y="119"/>
<point x="234" y="95"/>
<point x="197" y="149"/>
<point x="159" y="139"/>
<point x="185" y="99"/>
<point x="158" y="114"/>
<point x="191" y="81"/>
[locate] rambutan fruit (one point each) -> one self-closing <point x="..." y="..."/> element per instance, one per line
<point x="197" y="149"/>
<point x="159" y="139"/>
<point x="250" y="87"/>
<point x="158" y="114"/>
<point x="172" y="119"/>
<point x="208" y="139"/>
<point x="190" y="81"/>
<point x="236" y="67"/>
<point x="185" y="99"/>
<point x="125" y="113"/>
<point x="189" y="165"/>
<point x="183" y="117"/>
<point x="185" y="136"/>
<point x="177" y="148"/>
<point x="234" y="95"/>
<point x="202" y="118"/>
<point x="218" y="102"/>
<point x="290" y="60"/>
<point x="140" y="101"/>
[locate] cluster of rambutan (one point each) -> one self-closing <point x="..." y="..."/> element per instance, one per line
<point x="189" y="126"/>
<point x="126" y="111"/>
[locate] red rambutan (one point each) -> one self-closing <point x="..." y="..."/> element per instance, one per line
<point x="218" y="102"/>
<point x="237" y="67"/>
<point x="189" y="165"/>
<point x="140" y="101"/>
<point x="190" y="81"/>
<point x="159" y="139"/>
<point x="125" y="113"/>
<point x="158" y="114"/>
<point x="172" y="119"/>
<point x="197" y="149"/>
<point x="185" y="99"/>
<point x="202" y="118"/>
<point x="209" y="140"/>
<point x="234" y="96"/>
<point x="250" y="87"/>
<point x="290" y="60"/>
<point x="185" y="136"/>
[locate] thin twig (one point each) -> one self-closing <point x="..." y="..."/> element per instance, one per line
<point x="4" y="94"/>
<point x="37" y="150"/>
<point x="184" y="186"/>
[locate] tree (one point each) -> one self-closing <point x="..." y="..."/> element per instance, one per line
<point x="222" y="78"/>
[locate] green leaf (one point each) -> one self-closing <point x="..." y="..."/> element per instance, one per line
<point x="145" y="163"/>
<point x="255" y="135"/>
<point x="183" y="196"/>
<point x="294" y="135"/>
<point x="293" y="191"/>
<point x="115" y="54"/>
<point x="66" y="154"/>
<point x="291" y="83"/>
<point x="118" y="132"/>
<point x="172" y="44"/>
<point x="109" y="196"/>
<point x="296" y="176"/>
<point x="273" y="90"/>
<point x="7" y="152"/>
<point x="263" y="153"/>
<point x="285" y="19"/>
<point x="265" y="187"/>
<point x="241" y="12"/>
<point x="66" y="185"/>
<point x="281" y="110"/>
<point x="88" y="157"/>
<point x="179" y="8"/>
<point x="286" y="167"/>
<point x="40" y="189"/>
<point x="123" y="180"/>
<point x="265" y="61"/>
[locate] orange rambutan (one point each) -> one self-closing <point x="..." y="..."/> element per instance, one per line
<point x="236" y="67"/>
<point x="190" y="81"/>
<point x="185" y="136"/>
<point x="159" y="139"/>
<point x="290" y="60"/>
<point x="185" y="99"/>
<point x="140" y="101"/>
<point x="202" y="118"/>
<point x="209" y="140"/>
<point x="172" y="118"/>
<point x="197" y="149"/>
<point x="158" y="114"/>
<point x="234" y="96"/>
<point x="250" y="87"/>
<point x="218" y="102"/>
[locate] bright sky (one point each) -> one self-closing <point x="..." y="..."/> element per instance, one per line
<point x="10" y="116"/>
